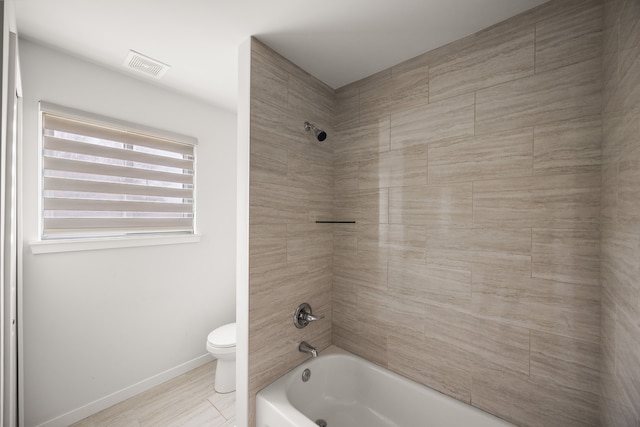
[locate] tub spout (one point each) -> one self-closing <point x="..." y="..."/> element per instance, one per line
<point x="304" y="347"/>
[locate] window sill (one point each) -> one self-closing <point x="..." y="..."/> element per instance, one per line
<point x="76" y="245"/>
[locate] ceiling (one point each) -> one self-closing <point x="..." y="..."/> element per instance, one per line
<point x="338" y="41"/>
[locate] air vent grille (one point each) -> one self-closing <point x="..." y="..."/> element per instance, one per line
<point x="145" y="65"/>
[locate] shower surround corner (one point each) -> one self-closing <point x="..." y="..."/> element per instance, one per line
<point x="473" y="173"/>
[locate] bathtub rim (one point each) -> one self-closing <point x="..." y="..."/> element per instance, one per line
<point x="275" y="394"/>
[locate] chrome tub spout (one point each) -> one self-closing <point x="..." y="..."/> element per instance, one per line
<point x="304" y="347"/>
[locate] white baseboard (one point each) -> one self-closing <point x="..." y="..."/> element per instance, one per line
<point x="124" y="394"/>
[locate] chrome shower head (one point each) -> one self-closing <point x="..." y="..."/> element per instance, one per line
<point x="319" y="133"/>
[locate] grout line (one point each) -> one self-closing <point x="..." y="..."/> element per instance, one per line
<point x="475" y="107"/>
<point x="533" y="150"/>
<point x="535" y="46"/>
<point x="217" y="410"/>
<point x="529" y="353"/>
<point x="531" y="253"/>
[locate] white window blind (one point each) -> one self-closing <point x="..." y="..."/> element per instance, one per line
<point x="105" y="177"/>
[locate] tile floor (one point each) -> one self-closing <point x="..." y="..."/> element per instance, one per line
<point x="187" y="400"/>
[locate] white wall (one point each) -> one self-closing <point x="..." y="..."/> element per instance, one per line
<point x="242" y="245"/>
<point x="100" y="321"/>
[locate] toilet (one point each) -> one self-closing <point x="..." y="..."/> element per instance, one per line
<point x="221" y="343"/>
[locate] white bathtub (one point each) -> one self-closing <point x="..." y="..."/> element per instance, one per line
<point x="347" y="391"/>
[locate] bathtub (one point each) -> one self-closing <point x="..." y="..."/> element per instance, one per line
<point x="347" y="391"/>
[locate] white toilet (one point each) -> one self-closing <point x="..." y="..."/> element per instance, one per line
<point x="221" y="343"/>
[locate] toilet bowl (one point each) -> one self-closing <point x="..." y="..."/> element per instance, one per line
<point x="221" y="343"/>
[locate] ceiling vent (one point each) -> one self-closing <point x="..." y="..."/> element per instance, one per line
<point x="145" y="65"/>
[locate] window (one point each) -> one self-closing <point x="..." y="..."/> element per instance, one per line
<point x="103" y="177"/>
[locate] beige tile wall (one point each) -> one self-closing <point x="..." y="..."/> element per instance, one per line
<point x="494" y="182"/>
<point x="291" y="186"/>
<point x="620" y="234"/>
<point x="473" y="173"/>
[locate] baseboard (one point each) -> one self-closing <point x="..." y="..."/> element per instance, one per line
<point x="124" y="394"/>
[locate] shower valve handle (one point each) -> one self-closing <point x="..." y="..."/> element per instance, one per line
<point x="303" y="316"/>
<point x="311" y="317"/>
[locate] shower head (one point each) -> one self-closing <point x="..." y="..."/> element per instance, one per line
<point x="320" y="134"/>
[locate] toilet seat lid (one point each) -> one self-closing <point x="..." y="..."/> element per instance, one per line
<point x="224" y="336"/>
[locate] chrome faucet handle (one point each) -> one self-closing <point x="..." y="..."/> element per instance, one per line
<point x="311" y="317"/>
<point x="303" y="316"/>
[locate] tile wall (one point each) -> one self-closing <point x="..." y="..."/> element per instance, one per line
<point x="620" y="235"/>
<point x="473" y="172"/>
<point x="291" y="186"/>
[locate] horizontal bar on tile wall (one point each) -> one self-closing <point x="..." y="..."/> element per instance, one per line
<point x="335" y="222"/>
